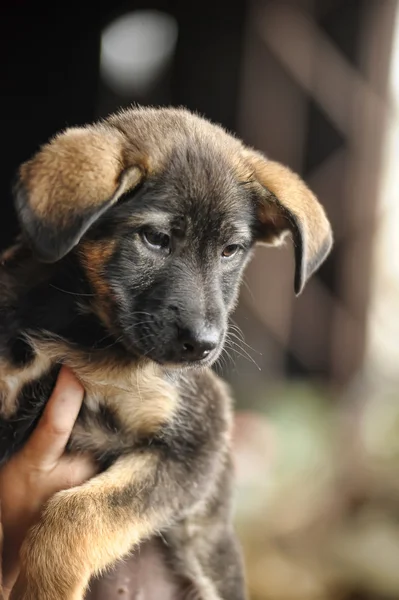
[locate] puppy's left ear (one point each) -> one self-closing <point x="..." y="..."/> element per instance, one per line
<point x="286" y="204"/>
<point x="69" y="184"/>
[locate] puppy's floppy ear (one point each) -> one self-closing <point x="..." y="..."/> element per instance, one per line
<point x="68" y="184"/>
<point x="286" y="204"/>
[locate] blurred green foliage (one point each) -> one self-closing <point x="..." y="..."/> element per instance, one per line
<point x="317" y="505"/>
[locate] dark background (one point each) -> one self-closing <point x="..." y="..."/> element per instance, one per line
<point x="50" y="79"/>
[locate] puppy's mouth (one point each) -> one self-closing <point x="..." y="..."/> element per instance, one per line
<point x="173" y="362"/>
<point x="165" y="354"/>
<point x="206" y="361"/>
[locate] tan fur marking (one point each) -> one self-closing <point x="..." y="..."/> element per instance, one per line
<point x="13" y="379"/>
<point x="80" y="166"/>
<point x="79" y="169"/>
<point x="9" y="253"/>
<point x="94" y="256"/>
<point x="297" y="198"/>
<point x="138" y="394"/>
<point x="295" y="202"/>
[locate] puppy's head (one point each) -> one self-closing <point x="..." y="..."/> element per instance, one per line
<point x="162" y="209"/>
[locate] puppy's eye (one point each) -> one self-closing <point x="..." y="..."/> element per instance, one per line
<point x="157" y="240"/>
<point x="231" y="250"/>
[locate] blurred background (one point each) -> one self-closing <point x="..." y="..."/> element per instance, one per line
<point x="314" y="84"/>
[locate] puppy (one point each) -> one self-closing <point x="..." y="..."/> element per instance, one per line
<point x="134" y="235"/>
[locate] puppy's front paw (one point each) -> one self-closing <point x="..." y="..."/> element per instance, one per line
<point x="27" y="588"/>
<point x="22" y="590"/>
<point x="53" y="565"/>
<point x="32" y="590"/>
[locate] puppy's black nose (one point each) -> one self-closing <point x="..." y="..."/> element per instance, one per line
<point x="196" y="344"/>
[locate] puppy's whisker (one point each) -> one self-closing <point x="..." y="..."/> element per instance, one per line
<point x="140" y="312"/>
<point x="138" y="324"/>
<point x="250" y="292"/>
<point x="70" y="292"/>
<point x="222" y="363"/>
<point x="235" y="331"/>
<point x="242" y="352"/>
<point x="231" y="334"/>
<point x="229" y="358"/>
<point x="234" y="324"/>
<point x="234" y="327"/>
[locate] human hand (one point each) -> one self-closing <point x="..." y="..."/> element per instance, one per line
<point x="40" y="470"/>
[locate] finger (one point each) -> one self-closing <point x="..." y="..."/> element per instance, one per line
<point x="47" y="443"/>
<point x="75" y="470"/>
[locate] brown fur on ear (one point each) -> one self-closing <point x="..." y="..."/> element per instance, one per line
<point x="287" y="204"/>
<point x="68" y="184"/>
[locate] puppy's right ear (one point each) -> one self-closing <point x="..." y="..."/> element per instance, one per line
<point x="286" y="204"/>
<point x="68" y="184"/>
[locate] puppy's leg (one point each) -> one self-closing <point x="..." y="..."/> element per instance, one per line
<point x="85" y="529"/>
<point x="227" y="567"/>
<point x="212" y="564"/>
<point x="219" y="575"/>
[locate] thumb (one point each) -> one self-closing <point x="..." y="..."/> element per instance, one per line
<point x="47" y="443"/>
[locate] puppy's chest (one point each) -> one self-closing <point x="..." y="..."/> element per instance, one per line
<point x="116" y="416"/>
<point x="124" y="403"/>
